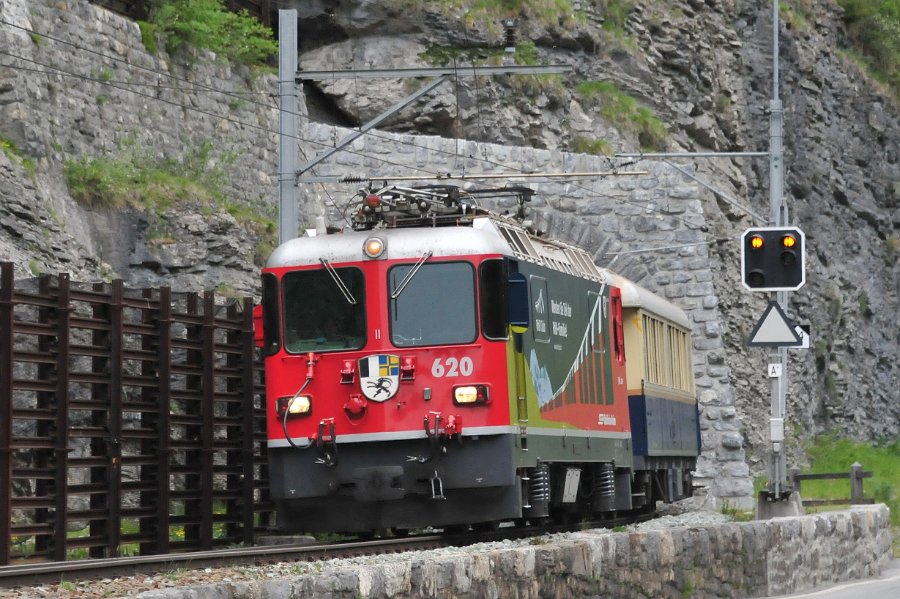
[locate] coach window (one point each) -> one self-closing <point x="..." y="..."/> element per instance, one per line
<point x="492" y="299"/>
<point x="319" y="314"/>
<point x="271" y="330"/>
<point x="435" y="307"/>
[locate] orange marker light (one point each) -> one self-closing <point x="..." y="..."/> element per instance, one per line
<point x="788" y="241"/>
<point x="373" y="247"/>
<point x="756" y="242"/>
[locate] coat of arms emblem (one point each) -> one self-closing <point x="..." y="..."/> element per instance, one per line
<point x="379" y="376"/>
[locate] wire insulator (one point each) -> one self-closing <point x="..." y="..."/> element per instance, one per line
<point x="509" y="27"/>
<point x="352" y="179"/>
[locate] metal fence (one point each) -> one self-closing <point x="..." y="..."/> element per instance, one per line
<point x="131" y="421"/>
<point x="263" y="10"/>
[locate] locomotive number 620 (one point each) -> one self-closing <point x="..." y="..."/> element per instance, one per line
<point x="451" y="367"/>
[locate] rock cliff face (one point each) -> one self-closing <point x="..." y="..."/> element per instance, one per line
<point x="76" y="81"/>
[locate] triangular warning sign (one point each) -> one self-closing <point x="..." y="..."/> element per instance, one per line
<point x="773" y="329"/>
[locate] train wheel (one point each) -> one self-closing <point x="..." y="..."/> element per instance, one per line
<point x="400" y="533"/>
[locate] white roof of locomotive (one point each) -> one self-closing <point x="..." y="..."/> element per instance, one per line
<point x="399" y="243"/>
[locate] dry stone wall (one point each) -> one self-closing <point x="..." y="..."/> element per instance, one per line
<point x="750" y="559"/>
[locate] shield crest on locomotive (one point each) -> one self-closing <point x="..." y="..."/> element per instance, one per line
<point x="379" y="376"/>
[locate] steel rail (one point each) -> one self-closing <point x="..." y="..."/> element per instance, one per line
<point x="85" y="569"/>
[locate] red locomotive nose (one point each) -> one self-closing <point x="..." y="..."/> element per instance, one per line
<point x="356" y="406"/>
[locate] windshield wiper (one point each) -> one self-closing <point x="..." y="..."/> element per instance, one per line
<point x="337" y="281"/>
<point x="411" y="274"/>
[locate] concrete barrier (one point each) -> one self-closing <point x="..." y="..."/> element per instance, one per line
<point x="737" y="559"/>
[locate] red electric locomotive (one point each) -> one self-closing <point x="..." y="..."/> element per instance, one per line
<point x="441" y="366"/>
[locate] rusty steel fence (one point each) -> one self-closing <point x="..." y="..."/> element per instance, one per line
<point x="131" y="421"/>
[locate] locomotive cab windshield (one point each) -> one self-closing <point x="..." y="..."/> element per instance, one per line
<point x="437" y="306"/>
<point x="318" y="313"/>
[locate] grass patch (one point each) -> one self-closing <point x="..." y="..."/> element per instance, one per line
<point x="8" y="147"/>
<point x="625" y="112"/>
<point x="735" y="513"/>
<point x="615" y="14"/>
<point x="136" y="178"/>
<point x="830" y="453"/>
<point x="489" y="13"/>
<point x="598" y="147"/>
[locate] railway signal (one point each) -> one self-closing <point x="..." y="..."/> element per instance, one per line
<point x="773" y="259"/>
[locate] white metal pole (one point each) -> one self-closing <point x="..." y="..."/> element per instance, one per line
<point x="287" y="122"/>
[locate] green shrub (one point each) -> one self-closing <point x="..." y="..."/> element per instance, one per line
<point x="207" y="24"/>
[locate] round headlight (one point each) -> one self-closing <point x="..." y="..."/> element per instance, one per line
<point x="300" y="404"/>
<point x="374" y="247"/>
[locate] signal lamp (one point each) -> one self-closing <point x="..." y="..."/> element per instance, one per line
<point x="772" y="259"/>
<point x="297" y="405"/>
<point x="471" y="395"/>
<point x="373" y="247"/>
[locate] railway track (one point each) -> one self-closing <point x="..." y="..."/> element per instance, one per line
<point x="34" y="573"/>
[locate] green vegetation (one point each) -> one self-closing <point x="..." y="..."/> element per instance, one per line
<point x="148" y="36"/>
<point x="615" y="13"/>
<point x="599" y="147"/>
<point x="139" y="179"/>
<point x="830" y="453"/>
<point x="489" y="13"/>
<point x="874" y="26"/>
<point x="864" y="308"/>
<point x="797" y="13"/>
<point x="624" y="111"/>
<point x="207" y="24"/>
<point x="9" y="148"/>
<point x="892" y="243"/>
<point x="735" y="513"/>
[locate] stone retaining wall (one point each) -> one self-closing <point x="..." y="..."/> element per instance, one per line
<point x="739" y="559"/>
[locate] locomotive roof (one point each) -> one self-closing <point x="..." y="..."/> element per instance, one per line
<point x="399" y="243"/>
